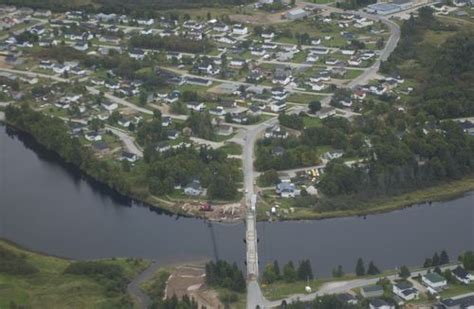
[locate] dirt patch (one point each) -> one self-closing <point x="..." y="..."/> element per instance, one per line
<point x="190" y="280"/>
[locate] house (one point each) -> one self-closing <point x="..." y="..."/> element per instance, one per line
<point x="282" y="77"/>
<point x="240" y="29"/>
<point x="380" y="304"/>
<point x="462" y="275"/>
<point x="162" y="147"/>
<point x="347" y="298"/>
<point x="60" y="68"/>
<point x="467" y="127"/>
<point x="278" y="106"/>
<point x="237" y="63"/>
<point x="109" y="105"/>
<point x="218" y="111"/>
<point x="405" y="290"/>
<point x="130" y="157"/>
<point x="81" y="46"/>
<point x="93" y="136"/>
<point x="296" y="14"/>
<point x="193" y="188"/>
<point x="465" y="302"/>
<point x="173" y="96"/>
<point x="318" y="86"/>
<point x="137" y="54"/>
<point x="196" y="106"/>
<point x="226" y="40"/>
<point x="434" y="281"/>
<point x="326" y="111"/>
<point x="100" y="147"/>
<point x="220" y="27"/>
<point x="319" y="51"/>
<point x="335" y="154"/>
<point x="287" y="189"/>
<point x="198" y="81"/>
<point x="172" y="134"/>
<point x="224" y="130"/>
<point x="124" y="122"/>
<point x="166" y="121"/>
<point x="255" y="51"/>
<point x="174" y="55"/>
<point x="372" y="291"/>
<point x="268" y="35"/>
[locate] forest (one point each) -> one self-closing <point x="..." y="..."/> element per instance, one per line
<point x="444" y="72"/>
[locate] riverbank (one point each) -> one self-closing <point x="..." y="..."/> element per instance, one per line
<point x="442" y="192"/>
<point x="39" y="280"/>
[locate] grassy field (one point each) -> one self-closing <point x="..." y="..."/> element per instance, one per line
<point x="440" y="192"/>
<point x="232" y="148"/>
<point x="51" y="288"/>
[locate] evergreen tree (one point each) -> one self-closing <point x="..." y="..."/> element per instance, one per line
<point x="276" y="268"/>
<point x="372" y="269"/>
<point x="338" y="272"/>
<point x="360" y="268"/>
<point x="404" y="272"/>
<point x="304" y="270"/>
<point x="435" y="259"/>
<point x="443" y="258"/>
<point x="428" y="263"/>
<point x="289" y="272"/>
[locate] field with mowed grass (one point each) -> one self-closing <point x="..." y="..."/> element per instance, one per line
<point x="34" y="280"/>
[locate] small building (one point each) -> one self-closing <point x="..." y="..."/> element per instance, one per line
<point x="347" y="298"/>
<point x="296" y="14"/>
<point x="109" y="105"/>
<point x="240" y="29"/>
<point x="193" y="188"/>
<point x="434" y="281"/>
<point x="172" y="134"/>
<point x="130" y="157"/>
<point x="380" y="304"/>
<point x="372" y="291"/>
<point x="93" y="136"/>
<point x="196" y="106"/>
<point x="224" y="130"/>
<point x="278" y="106"/>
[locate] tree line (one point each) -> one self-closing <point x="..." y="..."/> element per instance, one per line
<point x="225" y="275"/>
<point x="289" y="273"/>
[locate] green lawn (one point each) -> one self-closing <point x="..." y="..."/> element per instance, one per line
<point x="232" y="148"/>
<point x="457" y="289"/>
<point x="51" y="288"/>
<point x="311" y="122"/>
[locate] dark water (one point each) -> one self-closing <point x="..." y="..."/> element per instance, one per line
<point x="47" y="206"/>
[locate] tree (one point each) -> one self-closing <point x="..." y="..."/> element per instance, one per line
<point x="443" y="258"/>
<point x="467" y="260"/>
<point x="360" y="268"/>
<point x="372" y="269"/>
<point x="314" y="107"/>
<point x="289" y="272"/>
<point x="435" y="260"/>
<point x="305" y="271"/>
<point x="269" y="274"/>
<point x="404" y="272"/>
<point x="338" y="272"/>
<point x="142" y="98"/>
<point x="428" y="263"/>
<point x="276" y="268"/>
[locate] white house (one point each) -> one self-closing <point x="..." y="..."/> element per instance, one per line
<point x="240" y="29"/>
<point x="278" y="106"/>
<point x="434" y="281"/>
<point x="193" y="189"/>
<point x="93" y="136"/>
<point x="196" y="106"/>
<point x="405" y="290"/>
<point x="462" y="275"/>
<point x="109" y="105"/>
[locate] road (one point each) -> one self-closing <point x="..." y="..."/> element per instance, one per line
<point x="142" y="300"/>
<point x="343" y="286"/>
<point x="128" y="141"/>
<point x="254" y="294"/>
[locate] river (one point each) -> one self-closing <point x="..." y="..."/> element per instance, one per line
<point x="47" y="206"/>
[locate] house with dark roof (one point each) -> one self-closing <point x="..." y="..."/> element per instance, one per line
<point x="380" y="304"/>
<point x="462" y="275"/>
<point x="405" y="290"/>
<point x="372" y="291"/>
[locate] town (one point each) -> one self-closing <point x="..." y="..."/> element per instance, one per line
<point x="269" y="111"/>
